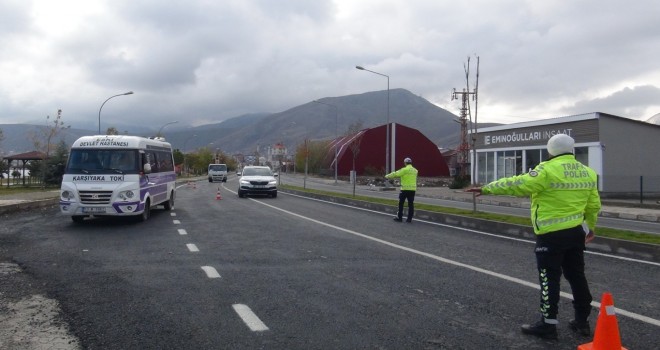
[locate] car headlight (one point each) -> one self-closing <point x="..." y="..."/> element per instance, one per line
<point x="126" y="195"/>
<point x="243" y="182"/>
<point x="272" y="182"/>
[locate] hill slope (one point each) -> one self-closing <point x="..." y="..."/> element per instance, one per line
<point x="245" y="133"/>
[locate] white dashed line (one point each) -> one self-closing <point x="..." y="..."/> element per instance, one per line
<point x="176" y="222"/>
<point x="192" y="247"/>
<point x="172" y="214"/>
<point x="250" y="319"/>
<point x="210" y="272"/>
<point x="182" y="231"/>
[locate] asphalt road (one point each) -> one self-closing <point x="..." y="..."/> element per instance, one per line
<point x="294" y="273"/>
<point x="616" y="223"/>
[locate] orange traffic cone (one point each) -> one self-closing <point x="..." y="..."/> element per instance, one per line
<point x="217" y="195"/>
<point x="606" y="336"/>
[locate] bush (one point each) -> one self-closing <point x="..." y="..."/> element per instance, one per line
<point x="460" y="182"/>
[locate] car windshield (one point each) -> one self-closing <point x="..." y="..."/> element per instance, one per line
<point x="218" y="168"/>
<point x="257" y="172"/>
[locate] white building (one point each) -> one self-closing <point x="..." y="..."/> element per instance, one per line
<point x="625" y="153"/>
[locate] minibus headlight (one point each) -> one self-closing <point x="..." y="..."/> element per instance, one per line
<point x="126" y="195"/>
<point x="67" y="195"/>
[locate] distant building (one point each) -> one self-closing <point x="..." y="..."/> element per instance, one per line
<point x="276" y="154"/>
<point x="625" y="153"/>
<point x="370" y="146"/>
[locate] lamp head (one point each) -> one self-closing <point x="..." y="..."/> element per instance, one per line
<point x="359" y="67"/>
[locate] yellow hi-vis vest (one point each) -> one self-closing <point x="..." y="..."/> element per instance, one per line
<point x="564" y="193"/>
<point x="408" y="175"/>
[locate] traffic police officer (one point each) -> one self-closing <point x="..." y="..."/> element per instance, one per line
<point x="564" y="195"/>
<point x="408" y="175"/>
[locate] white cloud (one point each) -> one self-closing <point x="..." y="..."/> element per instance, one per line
<point x="203" y="61"/>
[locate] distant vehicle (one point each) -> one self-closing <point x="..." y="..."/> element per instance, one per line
<point x="117" y="175"/>
<point x="217" y="172"/>
<point x="257" y="180"/>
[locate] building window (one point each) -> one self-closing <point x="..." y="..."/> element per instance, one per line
<point x="532" y="158"/>
<point x="491" y="167"/>
<point x="582" y="155"/>
<point x="500" y="165"/>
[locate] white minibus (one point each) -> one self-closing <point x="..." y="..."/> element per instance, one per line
<point x="117" y="175"/>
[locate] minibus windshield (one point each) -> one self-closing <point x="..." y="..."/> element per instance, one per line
<point x="99" y="161"/>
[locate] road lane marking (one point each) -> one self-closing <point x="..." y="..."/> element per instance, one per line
<point x="176" y="222"/>
<point x="249" y="318"/>
<point x="210" y="272"/>
<point x="192" y="247"/>
<point x="182" y="231"/>
<point x="172" y="214"/>
<point x="519" y="281"/>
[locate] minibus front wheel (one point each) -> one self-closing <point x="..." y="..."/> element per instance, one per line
<point x="147" y="211"/>
<point x="169" y="204"/>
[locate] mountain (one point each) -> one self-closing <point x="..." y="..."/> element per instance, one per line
<point x="19" y="138"/>
<point x="655" y="119"/>
<point x="313" y="120"/>
<point x="318" y="121"/>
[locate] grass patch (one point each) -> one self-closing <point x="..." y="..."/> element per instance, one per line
<point x="525" y="221"/>
<point x="24" y="189"/>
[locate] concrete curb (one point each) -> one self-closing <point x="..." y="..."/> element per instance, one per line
<point x="642" y="251"/>
<point x="28" y="205"/>
<point x="527" y="205"/>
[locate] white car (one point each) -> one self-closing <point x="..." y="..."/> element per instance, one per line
<point x="257" y="180"/>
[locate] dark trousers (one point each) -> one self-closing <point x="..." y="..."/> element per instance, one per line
<point x="557" y="252"/>
<point x="403" y="196"/>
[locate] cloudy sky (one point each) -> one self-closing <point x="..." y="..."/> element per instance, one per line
<point x="202" y="61"/>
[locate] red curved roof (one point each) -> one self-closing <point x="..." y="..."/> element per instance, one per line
<point x="405" y="142"/>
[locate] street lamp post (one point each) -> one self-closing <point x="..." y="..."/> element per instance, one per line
<point x="387" y="136"/>
<point x="166" y="124"/>
<point x="124" y="94"/>
<point x="336" y="134"/>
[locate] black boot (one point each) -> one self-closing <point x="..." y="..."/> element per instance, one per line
<point x="397" y="219"/>
<point x="540" y="329"/>
<point x="580" y="327"/>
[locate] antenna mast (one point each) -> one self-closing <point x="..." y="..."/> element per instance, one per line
<point x="465" y="116"/>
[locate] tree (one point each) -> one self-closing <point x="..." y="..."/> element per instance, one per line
<point x="312" y="152"/>
<point x="354" y="127"/>
<point x="223" y="158"/>
<point x="112" y="131"/>
<point x="56" y="164"/>
<point x="203" y="159"/>
<point x="51" y="170"/>
<point x="355" y="150"/>
<point x="4" y="169"/>
<point x="179" y="157"/>
<point x="44" y="141"/>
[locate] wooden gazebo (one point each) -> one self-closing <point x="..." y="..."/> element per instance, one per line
<point x="25" y="158"/>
